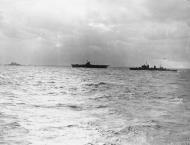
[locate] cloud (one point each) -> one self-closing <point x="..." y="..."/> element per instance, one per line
<point x="169" y="10"/>
<point x="105" y="31"/>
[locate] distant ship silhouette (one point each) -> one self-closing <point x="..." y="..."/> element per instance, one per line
<point x="147" y="67"/>
<point x="89" y="65"/>
<point x="14" y="64"/>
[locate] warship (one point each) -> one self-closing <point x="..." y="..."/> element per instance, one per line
<point x="147" y="67"/>
<point x="14" y="64"/>
<point x="89" y="65"/>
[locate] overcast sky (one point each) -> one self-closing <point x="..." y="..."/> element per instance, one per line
<point x="115" y="32"/>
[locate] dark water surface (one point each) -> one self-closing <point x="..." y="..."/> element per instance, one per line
<point x="69" y="106"/>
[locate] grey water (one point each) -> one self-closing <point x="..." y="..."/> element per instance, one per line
<point x="114" y="106"/>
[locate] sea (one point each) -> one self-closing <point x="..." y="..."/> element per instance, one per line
<point x="47" y="105"/>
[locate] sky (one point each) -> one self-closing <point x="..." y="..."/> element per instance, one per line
<point x="114" y="32"/>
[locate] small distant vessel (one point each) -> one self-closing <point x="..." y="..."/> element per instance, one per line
<point x="89" y="65"/>
<point x="14" y="64"/>
<point x="147" y="67"/>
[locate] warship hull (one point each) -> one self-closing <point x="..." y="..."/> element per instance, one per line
<point x="89" y="66"/>
<point x="152" y="69"/>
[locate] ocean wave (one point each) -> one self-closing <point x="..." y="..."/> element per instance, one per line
<point x="101" y="106"/>
<point x="102" y="97"/>
<point x="75" y="107"/>
<point x="96" y="85"/>
<point x="124" y="108"/>
<point x="13" y="130"/>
